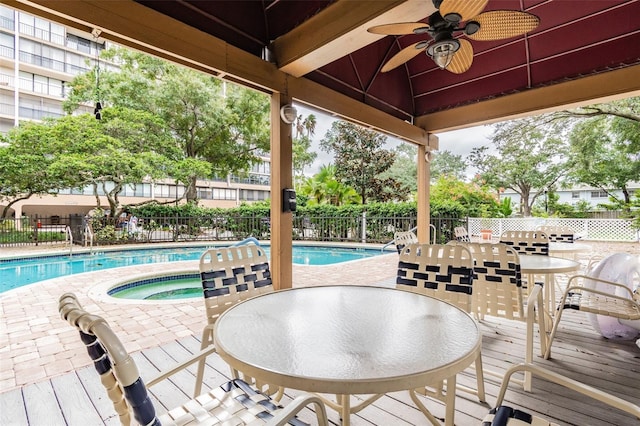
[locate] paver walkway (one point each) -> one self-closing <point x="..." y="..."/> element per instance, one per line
<point x="35" y="343"/>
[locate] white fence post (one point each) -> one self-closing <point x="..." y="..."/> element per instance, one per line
<point x="364" y="227"/>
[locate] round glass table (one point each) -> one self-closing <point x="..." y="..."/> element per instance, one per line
<point x="347" y="340"/>
<point x="547" y="266"/>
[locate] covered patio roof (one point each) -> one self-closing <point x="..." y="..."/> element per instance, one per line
<point x="318" y="52"/>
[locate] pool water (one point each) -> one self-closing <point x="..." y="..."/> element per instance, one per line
<point x="16" y="273"/>
<point x="162" y="288"/>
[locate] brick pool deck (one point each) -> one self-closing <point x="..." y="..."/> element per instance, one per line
<point x="36" y="344"/>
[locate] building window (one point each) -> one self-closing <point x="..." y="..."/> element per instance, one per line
<point x="6" y="18"/>
<point x="6" y="45"/>
<point x="223" y="194"/>
<point x="253" y="195"/>
<point x="599" y="194"/>
<point x="575" y="194"/>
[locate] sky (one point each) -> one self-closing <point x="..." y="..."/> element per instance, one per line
<point x="458" y="142"/>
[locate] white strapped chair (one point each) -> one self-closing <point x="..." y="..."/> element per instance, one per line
<point x="558" y="234"/>
<point x="461" y="234"/>
<point x="230" y="275"/>
<point x="444" y="272"/>
<point x="233" y="403"/>
<point x="527" y="242"/>
<point x="622" y="303"/>
<point x="404" y="238"/>
<point x="503" y="415"/>
<point x="497" y="292"/>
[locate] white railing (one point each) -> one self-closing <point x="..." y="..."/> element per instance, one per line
<point x="88" y="237"/>
<point x="586" y="229"/>
<point x="69" y="237"/>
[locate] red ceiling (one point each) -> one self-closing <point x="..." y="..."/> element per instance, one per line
<point x="575" y="38"/>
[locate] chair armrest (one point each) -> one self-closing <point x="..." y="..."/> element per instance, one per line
<point x="623" y="287"/>
<point x="287" y="413"/>
<point x="581" y="388"/>
<point x="534" y="299"/>
<point x="181" y="365"/>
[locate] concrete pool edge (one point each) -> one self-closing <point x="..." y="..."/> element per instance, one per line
<point x="99" y="292"/>
<point x="41" y="251"/>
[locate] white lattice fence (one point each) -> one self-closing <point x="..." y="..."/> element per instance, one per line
<point x="587" y="229"/>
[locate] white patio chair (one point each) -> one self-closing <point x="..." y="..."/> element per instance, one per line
<point x="619" y="302"/>
<point x="446" y="273"/>
<point x="461" y="234"/>
<point x="558" y="234"/>
<point x="235" y="402"/>
<point x="527" y="242"/>
<point x="404" y="238"/>
<point x="497" y="292"/>
<point x="503" y="415"/>
<point x="230" y="275"/>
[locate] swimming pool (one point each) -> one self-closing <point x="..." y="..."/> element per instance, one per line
<point x="163" y="287"/>
<point x="16" y="273"/>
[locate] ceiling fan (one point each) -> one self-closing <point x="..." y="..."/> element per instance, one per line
<point x="448" y="52"/>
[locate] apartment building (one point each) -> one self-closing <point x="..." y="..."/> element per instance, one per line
<point x="38" y="59"/>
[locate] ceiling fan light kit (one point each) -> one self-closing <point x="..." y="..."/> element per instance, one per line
<point x="455" y="54"/>
<point x="442" y="52"/>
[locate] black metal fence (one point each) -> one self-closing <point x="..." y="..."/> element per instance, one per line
<point x="103" y="231"/>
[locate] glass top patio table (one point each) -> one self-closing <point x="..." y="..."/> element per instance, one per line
<point x="536" y="264"/>
<point x="347" y="340"/>
<point x="548" y="266"/>
<point x="561" y="248"/>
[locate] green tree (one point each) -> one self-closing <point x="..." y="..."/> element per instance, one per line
<point x="453" y="196"/>
<point x="404" y="168"/>
<point x="324" y="188"/>
<point x="219" y="122"/>
<point x="447" y="163"/>
<point x="28" y="155"/>
<point x="302" y="154"/>
<point x="124" y="148"/>
<point x="530" y="158"/>
<point x="605" y="148"/>
<point x="360" y="161"/>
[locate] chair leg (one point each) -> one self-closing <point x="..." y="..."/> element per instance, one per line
<point x="556" y="323"/>
<point x="480" y="378"/>
<point x="207" y="340"/>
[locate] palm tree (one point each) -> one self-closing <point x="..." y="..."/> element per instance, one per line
<point x="324" y="188"/>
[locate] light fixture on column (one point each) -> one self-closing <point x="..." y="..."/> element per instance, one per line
<point x="288" y="113"/>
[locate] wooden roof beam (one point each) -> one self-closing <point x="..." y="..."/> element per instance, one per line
<point x="604" y="87"/>
<point x="130" y="24"/>
<point x="340" y="30"/>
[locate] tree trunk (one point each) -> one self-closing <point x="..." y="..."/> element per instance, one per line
<point x="191" y="194"/>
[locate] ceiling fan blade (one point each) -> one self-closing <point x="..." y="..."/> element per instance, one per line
<point x="467" y="9"/>
<point x="402" y="56"/>
<point x="501" y="24"/>
<point x="400" y="28"/>
<point x="462" y="59"/>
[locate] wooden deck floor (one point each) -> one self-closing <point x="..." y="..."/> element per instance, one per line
<point x="78" y="398"/>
